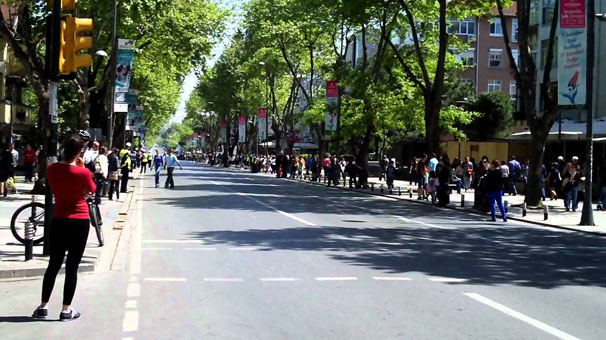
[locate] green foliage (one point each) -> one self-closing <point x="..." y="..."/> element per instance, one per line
<point x="496" y="116"/>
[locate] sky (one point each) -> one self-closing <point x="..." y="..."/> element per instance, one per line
<point x="191" y="80"/>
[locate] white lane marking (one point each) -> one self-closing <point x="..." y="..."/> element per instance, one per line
<point x="446" y="279"/>
<point x="165" y="279"/>
<point x="133" y="279"/>
<point x="130" y="304"/>
<point x="173" y="241"/>
<point x="133" y="289"/>
<point x="337" y="278"/>
<point x="128" y="338"/>
<point x="420" y="222"/>
<point x="291" y="216"/>
<point x="135" y="260"/>
<point x="200" y="249"/>
<point x="131" y="321"/>
<point x="391" y="278"/>
<point x="515" y="314"/>
<point x="156" y="248"/>
<point x="244" y="248"/>
<point x="278" y="279"/>
<point x="225" y="279"/>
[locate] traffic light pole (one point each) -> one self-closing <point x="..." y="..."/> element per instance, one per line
<point x="587" y="214"/>
<point x="53" y="72"/>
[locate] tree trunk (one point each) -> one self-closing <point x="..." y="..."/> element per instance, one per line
<point x="432" y="124"/>
<point x="537" y="145"/>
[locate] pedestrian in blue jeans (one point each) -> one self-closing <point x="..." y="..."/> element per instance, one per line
<point x="571" y="186"/>
<point x="492" y="183"/>
<point x="158" y="163"/>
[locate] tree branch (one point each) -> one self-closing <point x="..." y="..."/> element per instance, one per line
<point x="417" y="45"/>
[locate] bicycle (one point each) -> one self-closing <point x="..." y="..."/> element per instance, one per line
<point x="33" y="213"/>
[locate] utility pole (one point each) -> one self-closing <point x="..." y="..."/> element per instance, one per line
<point x="110" y="119"/>
<point x="54" y="21"/>
<point x="587" y="215"/>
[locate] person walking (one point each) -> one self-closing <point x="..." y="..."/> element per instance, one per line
<point x="444" y="173"/>
<point x="144" y="160"/>
<point x="169" y="164"/>
<point x="101" y="173"/>
<point x="505" y="173"/>
<point x="493" y="185"/>
<point x="158" y="163"/>
<point x="390" y="175"/>
<point x="421" y="172"/>
<point x="571" y="178"/>
<point x="125" y="167"/>
<point x="515" y="169"/>
<point x="352" y="171"/>
<point x="114" y="174"/>
<point x="29" y="163"/>
<point x="70" y="224"/>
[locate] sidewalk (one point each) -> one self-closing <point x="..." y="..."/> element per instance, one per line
<point x="557" y="218"/>
<point x="12" y="252"/>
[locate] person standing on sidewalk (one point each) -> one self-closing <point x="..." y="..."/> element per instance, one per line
<point x="390" y="175"/>
<point x="493" y="183"/>
<point x="29" y="163"/>
<point x="505" y="173"/>
<point x="158" y="162"/>
<point x="421" y="171"/>
<point x="571" y="185"/>
<point x="514" y="173"/>
<point x="6" y="163"/>
<point x="467" y="173"/>
<point x="71" y="185"/>
<point x="101" y="173"/>
<point x="125" y="166"/>
<point x="144" y="160"/>
<point x="444" y="173"/>
<point x="169" y="164"/>
<point x="114" y="173"/>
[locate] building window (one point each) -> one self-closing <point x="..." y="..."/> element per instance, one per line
<point x="516" y="56"/>
<point x="513" y="90"/>
<point x="494" y="85"/>
<point x="466" y="27"/>
<point x="495" y="58"/>
<point x="468" y="58"/>
<point x="514" y="30"/>
<point x="547" y="11"/>
<point x="496" y="30"/>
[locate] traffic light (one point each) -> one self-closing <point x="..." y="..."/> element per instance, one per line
<point x="68" y="5"/>
<point x="72" y="43"/>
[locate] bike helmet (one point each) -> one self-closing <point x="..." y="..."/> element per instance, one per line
<point x="84" y="134"/>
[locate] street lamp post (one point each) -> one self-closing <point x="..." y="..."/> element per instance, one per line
<point x="587" y="214"/>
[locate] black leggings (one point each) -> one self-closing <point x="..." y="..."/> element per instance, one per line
<point x="69" y="235"/>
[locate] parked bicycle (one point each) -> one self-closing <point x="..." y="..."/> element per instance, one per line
<point x="33" y="214"/>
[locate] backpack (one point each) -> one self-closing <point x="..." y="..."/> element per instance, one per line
<point x="91" y="166"/>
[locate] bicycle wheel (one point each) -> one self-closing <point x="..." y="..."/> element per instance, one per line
<point x="30" y="213"/>
<point x="98" y="212"/>
<point x="94" y="219"/>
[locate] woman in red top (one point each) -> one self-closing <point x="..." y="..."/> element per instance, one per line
<point x="28" y="162"/>
<point x="71" y="185"/>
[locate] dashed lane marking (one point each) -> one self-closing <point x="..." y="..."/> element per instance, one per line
<point x="515" y="314"/>
<point x="278" y="279"/>
<point x="165" y="279"/>
<point x="156" y="248"/>
<point x="337" y="278"/>
<point x="200" y="249"/>
<point x="173" y="241"/>
<point x="130" y="304"/>
<point x="134" y="289"/>
<point x="391" y="278"/>
<point x="244" y="248"/>
<point x="131" y="321"/>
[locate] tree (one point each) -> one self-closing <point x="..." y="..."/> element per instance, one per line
<point x="539" y="123"/>
<point x="496" y="116"/>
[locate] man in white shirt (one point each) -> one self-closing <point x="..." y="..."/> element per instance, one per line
<point x="90" y="155"/>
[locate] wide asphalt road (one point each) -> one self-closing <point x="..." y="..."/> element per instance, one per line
<point x="234" y="255"/>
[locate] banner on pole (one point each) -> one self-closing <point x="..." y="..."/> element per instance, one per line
<point x="262" y="125"/>
<point x="572" y="53"/>
<point x="224" y="132"/>
<point x="124" y="66"/>
<point x="332" y="105"/>
<point x="242" y="129"/>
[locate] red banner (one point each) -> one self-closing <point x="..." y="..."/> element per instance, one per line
<point x="332" y="89"/>
<point x="262" y="112"/>
<point x="573" y="13"/>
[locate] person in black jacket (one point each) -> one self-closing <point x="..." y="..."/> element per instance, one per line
<point x="444" y="176"/>
<point x="352" y="171"/>
<point x="493" y="186"/>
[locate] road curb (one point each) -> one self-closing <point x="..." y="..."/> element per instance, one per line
<point x="109" y="248"/>
<point x="467" y="210"/>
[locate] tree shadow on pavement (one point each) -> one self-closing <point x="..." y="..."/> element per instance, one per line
<point x="517" y="256"/>
<point x="24" y="319"/>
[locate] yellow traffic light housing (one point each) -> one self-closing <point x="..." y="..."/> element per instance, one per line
<point x="73" y="43"/>
<point x="68" y="5"/>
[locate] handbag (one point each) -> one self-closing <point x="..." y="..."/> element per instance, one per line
<point x="114" y="176"/>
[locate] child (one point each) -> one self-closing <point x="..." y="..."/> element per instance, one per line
<point x="432" y="186"/>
